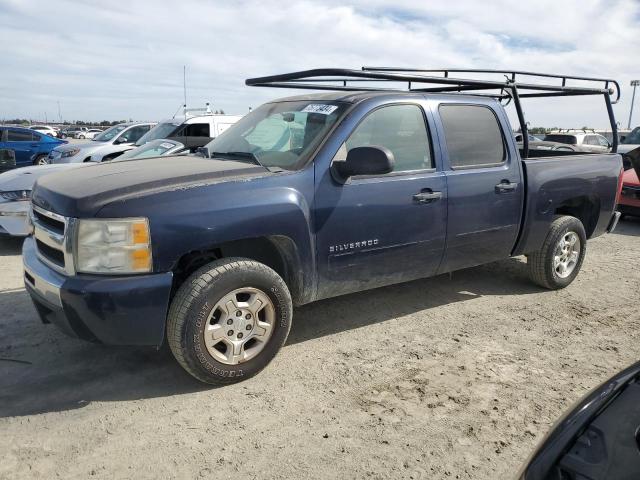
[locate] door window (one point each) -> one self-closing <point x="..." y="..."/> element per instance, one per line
<point x="134" y="133"/>
<point x="473" y="136"/>
<point x="401" y="129"/>
<point x="19" y="136"/>
<point x="603" y="142"/>
<point x="196" y="130"/>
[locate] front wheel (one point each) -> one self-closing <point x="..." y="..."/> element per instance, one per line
<point x="228" y="320"/>
<point x="81" y="137"/>
<point x="41" y="160"/>
<point x="559" y="260"/>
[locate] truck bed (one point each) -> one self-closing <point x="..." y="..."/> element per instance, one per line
<point x="561" y="184"/>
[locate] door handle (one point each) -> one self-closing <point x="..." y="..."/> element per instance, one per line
<point x="427" y="196"/>
<point x="506" y="187"/>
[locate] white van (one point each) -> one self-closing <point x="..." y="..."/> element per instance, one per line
<point x="195" y="124"/>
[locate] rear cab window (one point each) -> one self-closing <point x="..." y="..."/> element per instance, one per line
<point x="473" y="136"/>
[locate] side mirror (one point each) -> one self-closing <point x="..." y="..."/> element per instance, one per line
<point x="366" y="161"/>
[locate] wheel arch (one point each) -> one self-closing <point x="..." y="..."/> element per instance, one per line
<point x="278" y="252"/>
<point x="584" y="208"/>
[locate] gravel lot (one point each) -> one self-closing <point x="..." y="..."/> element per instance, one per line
<point x="452" y="377"/>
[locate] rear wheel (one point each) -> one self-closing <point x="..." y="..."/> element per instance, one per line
<point x="559" y="260"/>
<point x="228" y="320"/>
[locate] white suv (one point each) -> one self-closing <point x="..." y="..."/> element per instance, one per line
<point x="586" y="141"/>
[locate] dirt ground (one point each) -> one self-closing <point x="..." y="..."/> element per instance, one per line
<point x="454" y="377"/>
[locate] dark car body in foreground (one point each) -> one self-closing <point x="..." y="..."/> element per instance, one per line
<point x="303" y="199"/>
<point x="597" y="439"/>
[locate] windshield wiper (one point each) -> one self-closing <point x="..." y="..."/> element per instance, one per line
<point x="238" y="155"/>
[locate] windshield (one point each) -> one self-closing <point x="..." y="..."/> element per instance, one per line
<point x="162" y="130"/>
<point x="633" y="138"/>
<point x="155" y="148"/>
<point x="281" y="134"/>
<point x="109" y="134"/>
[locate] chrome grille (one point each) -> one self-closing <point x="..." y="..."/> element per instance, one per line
<point x="54" y="239"/>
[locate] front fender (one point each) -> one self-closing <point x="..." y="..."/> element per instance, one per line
<point x="198" y="218"/>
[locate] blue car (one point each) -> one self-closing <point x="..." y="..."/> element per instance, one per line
<point x="30" y="147"/>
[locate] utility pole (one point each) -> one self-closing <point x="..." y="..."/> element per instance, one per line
<point x="634" y="84"/>
<point x="59" y="114"/>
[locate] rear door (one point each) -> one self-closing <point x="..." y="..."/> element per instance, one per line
<point x="383" y="229"/>
<point x="484" y="182"/>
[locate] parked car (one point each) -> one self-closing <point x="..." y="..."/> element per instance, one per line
<point x="189" y="128"/>
<point x="16" y="185"/>
<point x="106" y="145"/>
<point x="88" y="134"/>
<point x="532" y="138"/>
<point x="156" y="148"/>
<point x="46" y="129"/>
<point x="30" y="147"/>
<point x="629" y="201"/>
<point x="71" y="131"/>
<point x="630" y="142"/>
<point x="587" y="141"/>
<point x="597" y="439"/>
<point x="15" y="196"/>
<point x="303" y="199"/>
<point x="541" y="145"/>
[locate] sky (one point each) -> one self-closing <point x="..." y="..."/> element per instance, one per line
<point x="121" y="60"/>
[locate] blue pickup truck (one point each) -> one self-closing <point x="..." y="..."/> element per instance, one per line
<point x="306" y="198"/>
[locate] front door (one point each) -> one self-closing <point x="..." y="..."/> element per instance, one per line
<point x="378" y="230"/>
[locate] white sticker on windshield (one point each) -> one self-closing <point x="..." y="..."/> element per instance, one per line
<point x="318" y="108"/>
<point x="166" y="145"/>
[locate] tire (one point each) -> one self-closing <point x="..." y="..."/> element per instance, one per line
<point x="41" y="160"/>
<point x="546" y="267"/>
<point x="80" y="137"/>
<point x="196" y="308"/>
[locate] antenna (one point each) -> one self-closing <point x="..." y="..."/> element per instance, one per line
<point x="184" y="84"/>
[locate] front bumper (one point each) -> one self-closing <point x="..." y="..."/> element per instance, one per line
<point x="122" y="310"/>
<point x="14" y="219"/>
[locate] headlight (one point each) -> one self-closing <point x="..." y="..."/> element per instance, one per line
<point x="16" y="196"/>
<point x="70" y="153"/>
<point x="113" y="246"/>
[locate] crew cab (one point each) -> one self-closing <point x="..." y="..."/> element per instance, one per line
<point x="303" y="199"/>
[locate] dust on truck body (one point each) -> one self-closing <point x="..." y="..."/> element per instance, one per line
<point x="310" y="197"/>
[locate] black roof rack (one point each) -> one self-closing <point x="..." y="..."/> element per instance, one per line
<point x="441" y="81"/>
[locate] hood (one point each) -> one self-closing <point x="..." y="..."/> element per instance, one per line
<point x="82" y="192"/>
<point x="630" y="177"/>
<point x="82" y="146"/>
<point x="24" y="178"/>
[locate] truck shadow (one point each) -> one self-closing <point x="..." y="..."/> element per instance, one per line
<point x="629" y="226"/>
<point x="41" y="370"/>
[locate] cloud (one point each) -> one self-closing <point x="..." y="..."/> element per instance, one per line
<point x="120" y="60"/>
